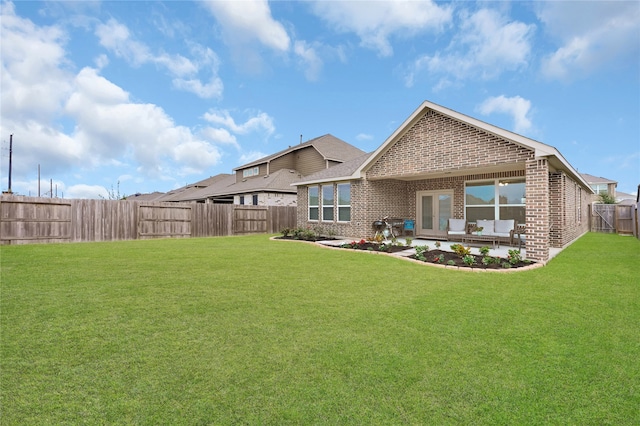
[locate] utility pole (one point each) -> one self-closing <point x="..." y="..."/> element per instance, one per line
<point x="10" y="155"/>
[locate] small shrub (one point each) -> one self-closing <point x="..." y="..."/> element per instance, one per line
<point x="420" y="251"/>
<point x="484" y="250"/>
<point x="461" y="250"/>
<point x="439" y="259"/>
<point x="486" y="261"/>
<point x="506" y="265"/>
<point x="514" y="257"/>
<point x="409" y="240"/>
<point x="438" y="244"/>
<point x="469" y="260"/>
<point x="451" y="263"/>
<point x="285" y="232"/>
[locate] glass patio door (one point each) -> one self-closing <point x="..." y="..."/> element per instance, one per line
<point x="434" y="210"/>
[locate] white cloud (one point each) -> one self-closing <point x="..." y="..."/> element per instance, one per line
<point x="196" y="156"/>
<point x="34" y="77"/>
<point x="250" y="156"/>
<point x="87" y="191"/>
<point x="487" y="44"/>
<point x="117" y="38"/>
<point x="593" y="35"/>
<point x="364" y="137"/>
<point x="213" y="89"/>
<point x="309" y="59"/>
<point x="376" y="22"/>
<point x="109" y="125"/>
<point x="518" y="108"/>
<point x="248" y="21"/>
<point x="219" y="136"/>
<point x="261" y="121"/>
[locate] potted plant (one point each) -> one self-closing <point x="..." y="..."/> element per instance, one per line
<point x="479" y="230"/>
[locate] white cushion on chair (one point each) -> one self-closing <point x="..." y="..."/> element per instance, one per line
<point x="457" y="226"/>
<point x="487" y="226"/>
<point x="504" y="226"/>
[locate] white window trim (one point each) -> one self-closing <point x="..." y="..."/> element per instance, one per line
<point x="333" y="204"/>
<point x="342" y="205"/>
<point x="496" y="204"/>
<point x="310" y="206"/>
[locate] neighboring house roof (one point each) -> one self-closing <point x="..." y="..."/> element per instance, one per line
<point x="216" y="187"/>
<point x="153" y="196"/>
<point x="556" y="160"/>
<point x="330" y="147"/>
<point x="595" y="179"/>
<point x="185" y="193"/>
<point x="279" y="181"/>
<point x="624" y="198"/>
<point x="338" y="171"/>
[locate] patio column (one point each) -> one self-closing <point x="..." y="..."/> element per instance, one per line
<point x="537" y="209"/>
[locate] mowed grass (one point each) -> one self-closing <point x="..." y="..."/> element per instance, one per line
<point x="252" y="331"/>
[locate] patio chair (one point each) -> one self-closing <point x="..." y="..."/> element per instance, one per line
<point x="519" y="234"/>
<point x="409" y="227"/>
<point x="456" y="228"/>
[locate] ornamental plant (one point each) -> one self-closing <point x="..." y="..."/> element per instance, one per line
<point x="420" y="251"/>
<point x="439" y="259"/>
<point x="461" y="250"/>
<point x="469" y="260"/>
<point x="514" y="257"/>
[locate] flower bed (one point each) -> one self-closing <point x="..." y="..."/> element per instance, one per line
<point x="461" y="257"/>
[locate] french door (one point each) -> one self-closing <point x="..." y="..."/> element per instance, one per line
<point x="434" y="210"/>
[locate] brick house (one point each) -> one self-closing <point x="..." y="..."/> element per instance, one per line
<point x="268" y="180"/>
<point x="441" y="164"/>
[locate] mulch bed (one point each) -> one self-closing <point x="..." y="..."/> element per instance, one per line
<point x="448" y="257"/>
<point x="440" y="257"/>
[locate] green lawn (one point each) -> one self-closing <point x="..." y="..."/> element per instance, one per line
<point x="252" y="331"/>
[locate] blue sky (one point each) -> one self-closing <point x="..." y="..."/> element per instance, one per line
<point x="155" y="95"/>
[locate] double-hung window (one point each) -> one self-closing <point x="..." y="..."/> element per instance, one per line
<point x="495" y="199"/>
<point x="327" y="203"/>
<point x="344" y="202"/>
<point x="313" y="203"/>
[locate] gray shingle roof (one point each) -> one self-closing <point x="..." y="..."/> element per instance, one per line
<point x="186" y="193"/>
<point x="330" y="147"/>
<point x="337" y="172"/>
<point x="279" y="181"/>
<point x="595" y="179"/>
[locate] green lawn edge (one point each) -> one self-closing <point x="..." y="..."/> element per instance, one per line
<point x="249" y="330"/>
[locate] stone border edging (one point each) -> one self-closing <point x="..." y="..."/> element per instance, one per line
<point x="398" y="255"/>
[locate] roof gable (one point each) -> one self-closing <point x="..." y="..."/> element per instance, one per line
<point x="330" y="147"/>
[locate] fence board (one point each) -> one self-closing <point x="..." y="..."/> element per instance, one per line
<point x="248" y="220"/>
<point x="624" y="219"/>
<point x="603" y="218"/>
<point x="26" y="220"/>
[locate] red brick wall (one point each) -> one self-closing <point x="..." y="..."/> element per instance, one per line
<point x="537" y="209"/>
<point x="436" y="143"/>
<point x="568" y="213"/>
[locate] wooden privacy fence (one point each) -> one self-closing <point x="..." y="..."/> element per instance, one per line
<point x="614" y="218"/>
<point x="25" y="220"/>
